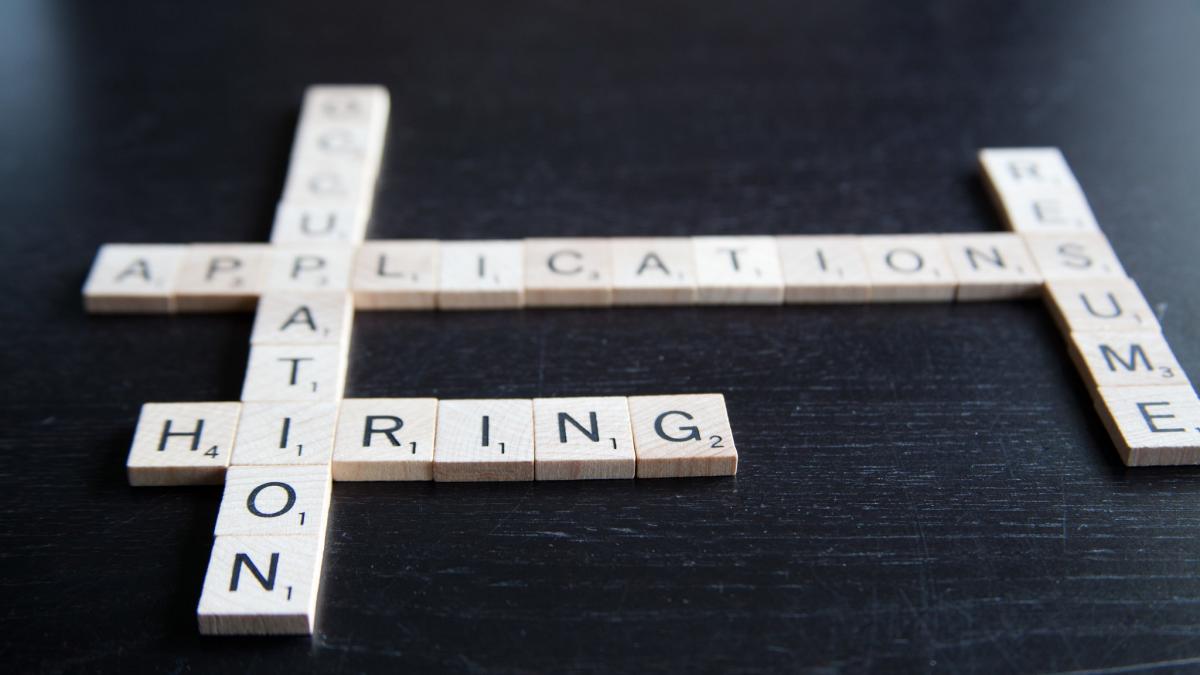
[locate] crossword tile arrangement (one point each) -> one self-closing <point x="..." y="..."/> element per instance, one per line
<point x="278" y="449"/>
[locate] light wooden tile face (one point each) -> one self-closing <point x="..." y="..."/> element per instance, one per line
<point x="183" y="443"/>
<point x="582" y="438"/>
<point x="220" y="277"/>
<point x="303" y="319"/>
<point x="568" y="272"/>
<point x="297" y="223"/>
<point x="385" y="439"/>
<point x="823" y="269"/>
<point x="992" y="266"/>
<point x="287" y="500"/>
<point x="1080" y="255"/>
<point x="484" y="440"/>
<point x="908" y="268"/>
<point x="133" y="278"/>
<point x="481" y="275"/>
<point x="396" y="275"/>
<point x="326" y="182"/>
<point x="1125" y="359"/>
<point x="1153" y="425"/>
<point x="309" y="268"/>
<point x="285" y="434"/>
<point x="261" y="586"/>
<point x="737" y="271"/>
<point x="1035" y="190"/>
<point x="1099" y="305"/>
<point x="685" y="435"/>
<point x="653" y="271"/>
<point x="295" y="373"/>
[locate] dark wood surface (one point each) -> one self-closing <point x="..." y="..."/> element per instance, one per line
<point x="921" y="487"/>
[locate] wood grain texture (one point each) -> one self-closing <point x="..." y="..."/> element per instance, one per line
<point x="737" y="271"/>
<point x="1101" y="304"/>
<point x="1152" y="426"/>
<point x="275" y="500"/>
<point x="220" y="277"/>
<point x="385" y="439"/>
<point x="1081" y="255"/>
<point x="921" y="488"/>
<point x="276" y="372"/>
<point x="472" y="448"/>
<point x="823" y="269"/>
<point x="133" y="278"/>
<point x="286" y="433"/>
<point x="909" y="268"/>
<point x="303" y="319"/>
<point x="992" y="266"/>
<point x="183" y="443"/>
<point x="482" y="275"/>
<point x="261" y="585"/>
<point x="682" y="435"/>
<point x="581" y="438"/>
<point x="396" y="274"/>
<point x="568" y="272"/>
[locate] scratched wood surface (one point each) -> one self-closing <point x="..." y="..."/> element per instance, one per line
<point x="920" y="487"/>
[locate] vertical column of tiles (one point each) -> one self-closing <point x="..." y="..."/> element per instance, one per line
<point x="1035" y="190"/>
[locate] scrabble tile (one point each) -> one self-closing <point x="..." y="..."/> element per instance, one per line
<point x="285" y="434"/>
<point x="359" y="105"/>
<point x="992" y="266"/>
<point x="1099" y="305"/>
<point x="1012" y="169"/>
<point x="303" y="318"/>
<point x="685" y="435"/>
<point x="481" y="275"/>
<point x="568" y="272"/>
<point x="182" y="443"/>
<point x="220" y="277"/>
<point x="274" y="500"/>
<point x="396" y="275"/>
<point x="1035" y="190"/>
<point x="385" y="439"/>
<point x="261" y="586"/>
<point x="581" y="438"/>
<point x="300" y="223"/>
<point x="133" y="278"/>
<point x="908" y="268"/>
<point x="484" y="440"/>
<point x="1125" y="359"/>
<point x="1152" y="425"/>
<point x="338" y="142"/>
<point x="653" y="271"/>
<point x="1080" y="255"/>
<point x="295" y="373"/>
<point x="823" y="269"/>
<point x="737" y="270"/>
<point x="326" y="183"/>
<point x="309" y="268"/>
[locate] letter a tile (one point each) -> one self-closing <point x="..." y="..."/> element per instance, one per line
<point x="261" y="586"/>
<point x="686" y="435"/>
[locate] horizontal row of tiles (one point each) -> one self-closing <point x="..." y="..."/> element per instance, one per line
<point x="431" y="439"/>
<point x="426" y="274"/>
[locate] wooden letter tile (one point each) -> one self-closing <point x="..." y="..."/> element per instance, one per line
<point x="396" y="275"/>
<point x="274" y="500"/>
<point x="1035" y="190"/>
<point x="261" y="586"/>
<point x="1081" y="255"/>
<point x="299" y="223"/>
<point x="823" y="269"/>
<point x="686" y="435"/>
<point x="303" y="319"/>
<point x="285" y="433"/>
<point x="992" y="266"/>
<point x="568" y="272"/>
<point x="183" y="443"/>
<point x="1125" y="359"/>
<point x="385" y="439"/>
<point x="220" y="277"/>
<point x="133" y="278"/>
<point x="908" y="268"/>
<point x="481" y="275"/>
<point x="653" y="271"/>
<point x="484" y="440"/>
<point x="309" y="268"/>
<point x="580" y="438"/>
<point x="739" y="270"/>
<point x="1152" y="425"/>
<point x="295" y="373"/>
<point x="1099" y="305"/>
